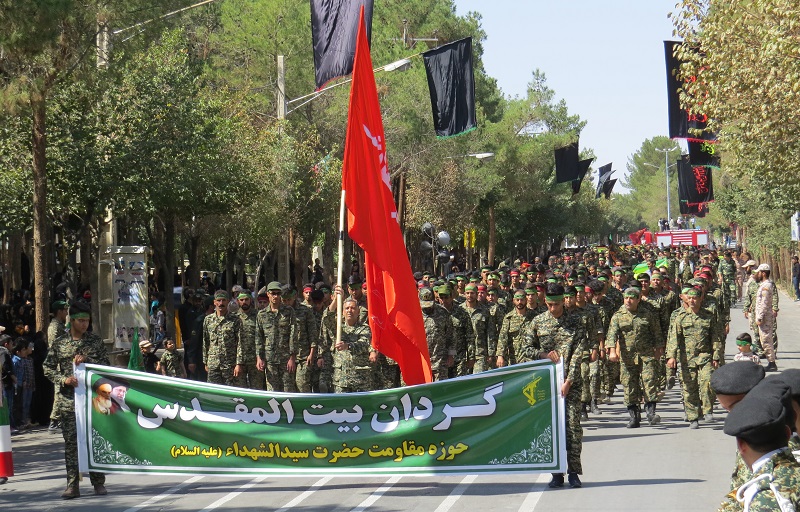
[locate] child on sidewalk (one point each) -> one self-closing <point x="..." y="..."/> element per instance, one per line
<point x="745" y="345"/>
<point x="26" y="380"/>
<point x="172" y="361"/>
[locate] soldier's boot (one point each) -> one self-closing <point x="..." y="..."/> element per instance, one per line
<point x="71" y="492"/>
<point x="556" y="481"/>
<point x="652" y="417"/>
<point x="635" y="420"/>
<point x="584" y="411"/>
<point x="574" y="481"/>
<point x="594" y="408"/>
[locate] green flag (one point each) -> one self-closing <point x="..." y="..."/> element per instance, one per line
<point x="135" y="361"/>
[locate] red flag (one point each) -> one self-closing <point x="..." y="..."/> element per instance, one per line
<point x="395" y="316"/>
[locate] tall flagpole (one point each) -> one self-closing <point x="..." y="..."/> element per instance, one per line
<point x="339" y="272"/>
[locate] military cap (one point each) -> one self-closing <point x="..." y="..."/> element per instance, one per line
<point x="426" y="298"/>
<point x="58" y="305"/>
<point x="761" y="416"/>
<point x="792" y="378"/>
<point x="750" y="263"/>
<point x="737" y="378"/>
<point x="274" y="286"/>
<point x="763" y="268"/>
<point x="354" y="279"/>
<point x="644" y="276"/>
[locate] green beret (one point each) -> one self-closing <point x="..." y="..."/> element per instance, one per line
<point x="274" y="286"/>
<point x="58" y="305"/>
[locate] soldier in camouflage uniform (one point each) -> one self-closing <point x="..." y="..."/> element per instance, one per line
<point x="558" y="335"/>
<point x="693" y="340"/>
<point x="512" y="332"/>
<point x="276" y="341"/>
<point x="306" y="341"/>
<point x="439" y="333"/>
<point x="590" y="344"/>
<point x="353" y="357"/>
<point x="477" y="345"/>
<point x="635" y="338"/>
<point x="591" y="373"/>
<point x="250" y="377"/>
<point x="74" y="346"/>
<point x="316" y="299"/>
<point x="497" y="312"/>
<point x="222" y="343"/>
<point x="57" y="327"/>
<point x="462" y="331"/>
<point x="749" y="305"/>
<point x="727" y="278"/>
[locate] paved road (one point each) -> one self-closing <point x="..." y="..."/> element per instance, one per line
<point x="667" y="467"/>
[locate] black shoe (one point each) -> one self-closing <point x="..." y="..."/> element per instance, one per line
<point x="772" y="367"/>
<point x="671" y="382"/>
<point x="574" y="481"/>
<point x="594" y="408"/>
<point x="584" y="411"/>
<point x="557" y="481"/>
<point x="54" y="427"/>
<point x="635" y="420"/>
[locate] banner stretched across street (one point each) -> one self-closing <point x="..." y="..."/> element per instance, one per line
<point x="505" y="420"/>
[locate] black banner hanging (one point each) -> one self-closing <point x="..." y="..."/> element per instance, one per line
<point x="334" y="26"/>
<point x="451" y="84"/>
<point x="567" y="168"/>
<point x="681" y="120"/>
<point x="608" y="186"/>
<point x="703" y="153"/>
<point x="604" y="173"/>
<point x="695" y="187"/>
<point x="583" y="168"/>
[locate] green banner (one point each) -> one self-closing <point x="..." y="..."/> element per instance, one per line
<point x="509" y="419"/>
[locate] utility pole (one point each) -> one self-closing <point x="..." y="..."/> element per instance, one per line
<point x="666" y="171"/>
<point x="284" y="267"/>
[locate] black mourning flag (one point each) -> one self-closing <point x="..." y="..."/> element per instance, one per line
<point x="567" y="165"/>
<point x="680" y="120"/>
<point x="334" y="26"/>
<point x="451" y="83"/>
<point x="604" y="174"/>
<point x="608" y="186"/>
<point x="703" y="153"/>
<point x="695" y="187"/>
<point x="583" y="168"/>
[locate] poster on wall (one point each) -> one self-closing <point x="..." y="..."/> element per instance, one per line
<point x="130" y="301"/>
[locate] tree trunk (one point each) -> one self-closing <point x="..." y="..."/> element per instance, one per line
<point x="169" y="272"/>
<point x="193" y="276"/>
<point x="86" y="259"/>
<point x="15" y="264"/>
<point x="492" y="236"/>
<point x="328" y="250"/>
<point x="40" y="271"/>
<point x="301" y="260"/>
<point x="230" y="258"/>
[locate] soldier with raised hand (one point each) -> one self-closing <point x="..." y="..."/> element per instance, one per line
<point x="556" y="335"/>
<point x="512" y="332"/>
<point x="276" y="341"/>
<point x="439" y="333"/>
<point x="478" y="343"/>
<point x="635" y="338"/>
<point x="222" y="343"/>
<point x="353" y="356"/>
<point x="694" y="335"/>
<point x="250" y="377"/>
<point x="75" y="346"/>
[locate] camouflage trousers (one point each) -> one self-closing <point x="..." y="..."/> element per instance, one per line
<point x="251" y="378"/>
<point x="698" y="397"/>
<point x="595" y="373"/>
<point x="326" y="375"/>
<point x="70" y="433"/>
<point x="640" y="379"/>
<point x="388" y="375"/>
<point x="574" y="429"/>
<point x="224" y="376"/>
<point x="278" y="379"/>
<point x="740" y="475"/>
<point x="302" y="377"/>
<point x="354" y="379"/>
<point x="757" y="342"/>
<point x="765" y="333"/>
<point x="586" y="393"/>
<point x="612" y="376"/>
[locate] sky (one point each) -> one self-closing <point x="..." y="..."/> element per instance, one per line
<point x="605" y="58"/>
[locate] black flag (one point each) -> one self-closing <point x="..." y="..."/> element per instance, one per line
<point x="604" y="173"/>
<point x="334" y="26"/>
<point x="583" y="168"/>
<point x="567" y="168"/>
<point x="695" y="187"/>
<point x="608" y="186"/>
<point x="452" y="87"/>
<point x="680" y="120"/>
<point x="703" y="153"/>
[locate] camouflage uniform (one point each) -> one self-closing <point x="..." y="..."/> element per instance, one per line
<point x="57" y="368"/>
<point x="592" y="371"/>
<point x="727" y="270"/>
<point x="784" y="477"/>
<point x="637" y="335"/>
<point x="222" y="347"/>
<point x="496" y="314"/>
<point x="462" y="331"/>
<point x="327" y="325"/>
<point x="276" y="342"/>
<point x="749" y="307"/>
<point x="566" y="336"/>
<point x="439" y="333"/>
<point x="172" y="363"/>
<point x="589" y="322"/>
<point x="55" y="329"/>
<point x="306" y="328"/>
<point x="251" y="377"/>
<point x="352" y="371"/>
<point x="512" y="334"/>
<point x="609" y="370"/>
<point x="482" y="329"/>
<point x="315" y="370"/>
<point x="763" y="313"/>
<point x="693" y="343"/>
<point x="740" y="475"/>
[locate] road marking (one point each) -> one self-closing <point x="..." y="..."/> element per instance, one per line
<point x="451" y="500"/>
<point x="165" y="494"/>
<point x="305" y="495"/>
<point x="533" y="496"/>
<point x="375" y="496"/>
<point x="225" y="499"/>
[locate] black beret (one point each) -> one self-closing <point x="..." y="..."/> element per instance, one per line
<point x="760" y="417"/>
<point x="736" y="378"/>
<point x="354" y="279"/>
<point x="792" y="378"/>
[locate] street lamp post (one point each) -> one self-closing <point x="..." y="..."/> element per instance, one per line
<point x="666" y="171"/>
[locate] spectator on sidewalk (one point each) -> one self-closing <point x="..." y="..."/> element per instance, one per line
<point x="26" y="382"/>
<point x="796" y="278"/>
